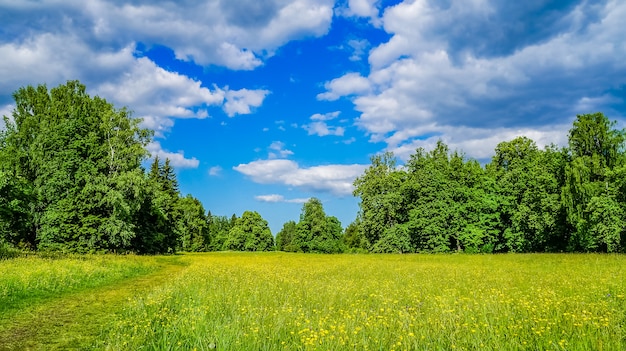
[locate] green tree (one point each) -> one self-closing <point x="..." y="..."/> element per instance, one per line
<point x="191" y="225"/>
<point x="529" y="189"/>
<point x="219" y="226"/>
<point x="80" y="159"/>
<point x="315" y="232"/>
<point x="596" y="149"/>
<point x="285" y="238"/>
<point x="250" y="233"/>
<point x="353" y="237"/>
<point x="382" y="202"/>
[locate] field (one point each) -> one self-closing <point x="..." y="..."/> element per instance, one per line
<point x="279" y="301"/>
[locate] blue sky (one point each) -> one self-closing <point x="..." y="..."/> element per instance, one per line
<point x="261" y="105"/>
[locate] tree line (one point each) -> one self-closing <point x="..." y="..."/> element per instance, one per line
<point x="526" y="199"/>
<point x="71" y="179"/>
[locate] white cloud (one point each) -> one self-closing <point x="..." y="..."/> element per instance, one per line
<point x="157" y="95"/>
<point x="349" y="84"/>
<point x="441" y="74"/>
<point x="359" y="48"/>
<point x="278" y="198"/>
<point x="215" y="171"/>
<point x="236" y="35"/>
<point x="363" y="8"/>
<point x="177" y="159"/>
<point x="320" y="127"/>
<point x="325" y="117"/>
<point x="336" y="179"/>
<point x="277" y="150"/>
<point x="242" y="101"/>
<point x="323" y="129"/>
<point x="153" y="93"/>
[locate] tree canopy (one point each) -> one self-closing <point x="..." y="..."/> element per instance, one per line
<point x="524" y="200"/>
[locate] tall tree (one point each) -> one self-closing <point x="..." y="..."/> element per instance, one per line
<point x="596" y="149"/>
<point x="80" y="158"/>
<point x="382" y="202"/>
<point x="285" y="238"/>
<point x="250" y="233"/>
<point x="529" y="191"/>
<point x="191" y="225"/>
<point x="315" y="232"/>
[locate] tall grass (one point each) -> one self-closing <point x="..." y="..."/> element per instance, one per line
<point x="24" y="279"/>
<point x="276" y="301"/>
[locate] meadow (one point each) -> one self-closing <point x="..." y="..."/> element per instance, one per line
<point x="280" y="301"/>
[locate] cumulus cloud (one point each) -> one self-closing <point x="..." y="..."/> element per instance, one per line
<point x="363" y="8"/>
<point x="320" y="127"/>
<point x="359" y="48"/>
<point x="445" y="73"/>
<point x="177" y="159"/>
<point x="279" y="198"/>
<point x="349" y="84"/>
<point x="323" y="129"/>
<point x="336" y="179"/>
<point x="95" y="42"/>
<point x="234" y="35"/>
<point x="277" y="150"/>
<point x="242" y="101"/>
<point x="325" y="116"/>
<point x="215" y="171"/>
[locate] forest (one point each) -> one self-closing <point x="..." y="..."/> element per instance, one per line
<point x="72" y="179"/>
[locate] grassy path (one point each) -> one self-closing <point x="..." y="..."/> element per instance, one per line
<point x="74" y="321"/>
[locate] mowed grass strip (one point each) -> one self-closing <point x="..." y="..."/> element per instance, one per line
<point x="25" y="280"/>
<point x="61" y="304"/>
<point x="276" y="301"/>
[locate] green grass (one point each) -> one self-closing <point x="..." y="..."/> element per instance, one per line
<point x="24" y="280"/>
<point x="279" y="301"/>
<point x="275" y="301"/>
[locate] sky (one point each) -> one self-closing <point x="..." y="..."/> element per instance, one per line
<point x="261" y="105"/>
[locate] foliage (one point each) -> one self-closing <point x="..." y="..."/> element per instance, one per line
<point x="250" y="233"/>
<point x="74" y="162"/>
<point x="353" y="237"/>
<point x="524" y="200"/>
<point x="316" y="232"/>
<point x="285" y="238"/>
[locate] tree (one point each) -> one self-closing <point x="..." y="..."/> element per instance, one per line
<point x="250" y="233"/>
<point x="353" y="237"/>
<point x="219" y="227"/>
<point x="285" y="238"/>
<point x="382" y="202"/>
<point x="315" y="232"/>
<point x="80" y="159"/>
<point x="528" y="188"/>
<point x="191" y="225"/>
<point x="596" y="149"/>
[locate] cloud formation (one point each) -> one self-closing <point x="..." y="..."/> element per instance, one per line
<point x="320" y="127"/>
<point x="177" y="159"/>
<point x="233" y="35"/>
<point x="279" y="198"/>
<point x="215" y="171"/>
<point x="277" y="150"/>
<point x="335" y="179"/>
<point x="446" y="73"/>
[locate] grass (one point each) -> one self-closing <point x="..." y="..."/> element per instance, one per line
<point x="71" y="318"/>
<point x="279" y="301"/>
<point x="24" y="280"/>
<point x="276" y="301"/>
